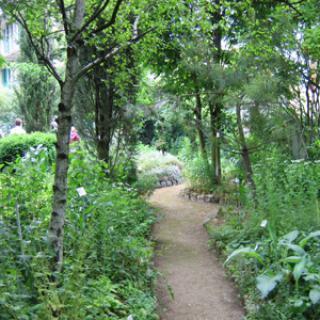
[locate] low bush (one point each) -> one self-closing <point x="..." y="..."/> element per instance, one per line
<point x="149" y="158"/>
<point x="153" y="166"/>
<point x="107" y="254"/>
<point x="199" y="175"/>
<point x="146" y="184"/>
<point x="13" y="146"/>
<point x="286" y="275"/>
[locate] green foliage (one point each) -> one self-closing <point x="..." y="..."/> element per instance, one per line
<point x="107" y="270"/>
<point x="287" y="192"/>
<point x="154" y="166"/>
<point x="8" y="112"/>
<point x="314" y="150"/>
<point x="36" y="96"/>
<point x="13" y="146"/>
<point x="199" y="174"/>
<point x="311" y="43"/>
<point x="146" y="184"/>
<point x="286" y="274"/>
<point x="277" y="273"/>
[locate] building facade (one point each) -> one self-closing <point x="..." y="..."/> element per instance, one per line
<point x="9" y="50"/>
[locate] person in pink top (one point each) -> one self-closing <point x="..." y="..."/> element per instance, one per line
<point x="74" y="136"/>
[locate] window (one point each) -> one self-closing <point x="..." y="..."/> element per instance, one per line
<point x="8" y="38"/>
<point x="6" y="77"/>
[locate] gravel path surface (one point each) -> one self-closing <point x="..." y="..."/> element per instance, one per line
<point x="192" y="284"/>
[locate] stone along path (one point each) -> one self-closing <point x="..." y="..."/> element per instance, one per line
<point x="192" y="284"/>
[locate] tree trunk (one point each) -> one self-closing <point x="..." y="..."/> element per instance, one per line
<point x="245" y="153"/>
<point x="56" y="226"/>
<point x="215" y="122"/>
<point x="198" y="115"/>
<point x="104" y="118"/>
<point x="216" y="106"/>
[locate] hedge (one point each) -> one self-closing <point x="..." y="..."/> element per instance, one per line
<point x="13" y="146"/>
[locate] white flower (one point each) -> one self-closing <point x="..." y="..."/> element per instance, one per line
<point x="263" y="223"/>
<point x="81" y="192"/>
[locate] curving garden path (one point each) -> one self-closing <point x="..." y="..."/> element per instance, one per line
<point x="192" y="284"/>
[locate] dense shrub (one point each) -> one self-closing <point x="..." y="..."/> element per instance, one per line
<point x="273" y="245"/>
<point x="287" y="194"/>
<point x="13" y="146"/>
<point x="107" y="253"/>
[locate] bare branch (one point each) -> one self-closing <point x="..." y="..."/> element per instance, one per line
<point x="110" y="53"/>
<point x="64" y="15"/>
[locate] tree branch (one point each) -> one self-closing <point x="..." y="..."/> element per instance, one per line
<point x="100" y="8"/>
<point x="64" y="15"/>
<point x="112" y="19"/>
<point x="40" y="54"/>
<point x="291" y="5"/>
<point x="135" y="26"/>
<point x="110" y="53"/>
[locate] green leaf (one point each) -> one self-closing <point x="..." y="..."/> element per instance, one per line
<point x="299" y="268"/>
<point x="312" y="235"/>
<point x="290" y="236"/>
<point x="248" y="252"/>
<point x="312" y="277"/>
<point x="297" y="249"/>
<point x="292" y="259"/>
<point x="266" y="284"/>
<point x="314" y="295"/>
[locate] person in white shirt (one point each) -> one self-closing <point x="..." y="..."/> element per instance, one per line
<point x="18" y="129"/>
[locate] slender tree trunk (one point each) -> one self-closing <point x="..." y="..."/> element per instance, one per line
<point x="216" y="106"/>
<point x="245" y="153"/>
<point x="198" y="115"/>
<point x="105" y="102"/>
<point x="215" y="122"/>
<point x="56" y="226"/>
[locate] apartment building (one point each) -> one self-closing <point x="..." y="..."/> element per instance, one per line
<point x="9" y="50"/>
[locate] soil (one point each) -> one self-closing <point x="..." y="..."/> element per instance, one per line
<point x="192" y="284"/>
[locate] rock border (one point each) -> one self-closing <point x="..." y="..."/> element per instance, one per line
<point x="168" y="182"/>
<point x="197" y="196"/>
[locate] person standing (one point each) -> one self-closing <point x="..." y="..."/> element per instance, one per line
<point x="74" y="136"/>
<point x="54" y="124"/>
<point x="18" y="129"/>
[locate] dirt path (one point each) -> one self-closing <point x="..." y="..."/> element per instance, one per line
<point x="190" y="272"/>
